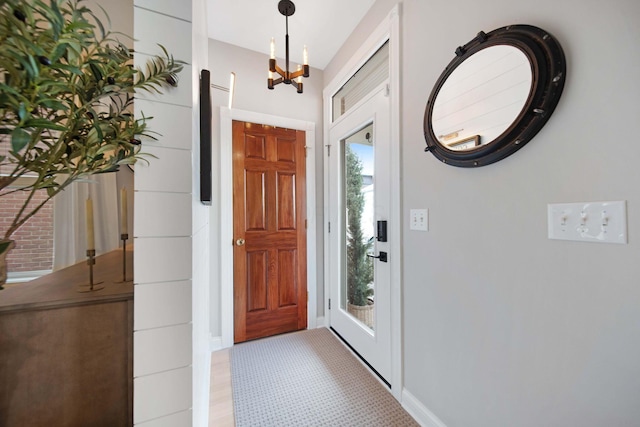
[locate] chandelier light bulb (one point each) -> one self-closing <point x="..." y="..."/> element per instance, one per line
<point x="273" y="48"/>
<point x="305" y="56"/>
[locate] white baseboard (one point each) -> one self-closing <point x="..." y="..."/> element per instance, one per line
<point x="419" y="412"/>
<point x="215" y="343"/>
<point x="320" y="322"/>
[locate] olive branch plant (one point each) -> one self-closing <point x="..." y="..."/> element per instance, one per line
<point x="67" y="87"/>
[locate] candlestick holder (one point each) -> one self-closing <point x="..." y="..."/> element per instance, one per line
<point x="124" y="237"/>
<point x="90" y="287"/>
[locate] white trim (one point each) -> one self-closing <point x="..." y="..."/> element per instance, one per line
<point x="226" y="212"/>
<point x="388" y="29"/>
<point x="395" y="212"/>
<point x="419" y="412"/>
<point x="321" y="322"/>
<point x="226" y="232"/>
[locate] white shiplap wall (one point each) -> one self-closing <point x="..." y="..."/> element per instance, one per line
<point x="168" y="227"/>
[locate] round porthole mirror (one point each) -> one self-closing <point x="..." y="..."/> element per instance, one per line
<point x="494" y="96"/>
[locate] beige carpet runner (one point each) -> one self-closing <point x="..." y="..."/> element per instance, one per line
<point x="308" y="378"/>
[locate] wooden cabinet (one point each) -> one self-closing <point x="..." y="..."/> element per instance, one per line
<point x="66" y="356"/>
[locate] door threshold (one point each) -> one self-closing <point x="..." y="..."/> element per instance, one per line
<point x="371" y="368"/>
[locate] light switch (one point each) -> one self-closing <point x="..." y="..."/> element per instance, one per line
<point x="419" y="219"/>
<point x="600" y="222"/>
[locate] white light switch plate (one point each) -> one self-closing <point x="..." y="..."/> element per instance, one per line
<point x="419" y="219"/>
<point x="600" y="222"/>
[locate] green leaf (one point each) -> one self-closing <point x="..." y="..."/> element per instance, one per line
<point x="96" y="71"/>
<point x="74" y="70"/>
<point x="19" y="139"/>
<point x="10" y="90"/>
<point x="57" y="20"/>
<point x="99" y="24"/>
<point x="58" y="52"/>
<point x="43" y="123"/>
<point x="75" y="46"/>
<point x="22" y="111"/>
<point x="33" y="70"/>
<point x="53" y="104"/>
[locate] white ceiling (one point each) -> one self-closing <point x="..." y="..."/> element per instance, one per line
<point x="321" y="25"/>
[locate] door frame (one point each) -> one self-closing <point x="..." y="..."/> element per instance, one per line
<point x="227" y="116"/>
<point x="388" y="29"/>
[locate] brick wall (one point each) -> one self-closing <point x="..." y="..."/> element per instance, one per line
<point x="34" y="240"/>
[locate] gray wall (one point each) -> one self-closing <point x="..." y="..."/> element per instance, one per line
<point x="503" y="327"/>
<point x="252" y="95"/>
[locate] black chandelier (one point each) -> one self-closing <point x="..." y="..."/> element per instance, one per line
<point x="287" y="8"/>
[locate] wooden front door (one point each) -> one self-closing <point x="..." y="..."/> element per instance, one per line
<point x="270" y="255"/>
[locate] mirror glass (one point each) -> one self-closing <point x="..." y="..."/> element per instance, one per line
<point x="482" y="97"/>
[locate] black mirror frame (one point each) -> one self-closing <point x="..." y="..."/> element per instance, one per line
<point x="548" y="69"/>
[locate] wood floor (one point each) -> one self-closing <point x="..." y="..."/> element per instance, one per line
<point x="220" y="396"/>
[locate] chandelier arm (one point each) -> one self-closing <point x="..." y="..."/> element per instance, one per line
<point x="296" y="74"/>
<point x="279" y="70"/>
<point x="271" y="82"/>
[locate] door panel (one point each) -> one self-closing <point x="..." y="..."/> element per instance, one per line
<point x="287" y="281"/>
<point x="255" y="200"/>
<point x="257" y="276"/>
<point x="270" y="289"/>
<point x="286" y="201"/>
<point x="255" y="147"/>
<point x="286" y="151"/>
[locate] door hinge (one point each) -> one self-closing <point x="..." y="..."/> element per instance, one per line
<point x="305" y="224"/>
<point x="386" y="90"/>
<point x="328" y="150"/>
<point x="307" y="296"/>
<point x="329" y="303"/>
<point x="329" y="224"/>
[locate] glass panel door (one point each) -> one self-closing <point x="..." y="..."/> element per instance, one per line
<point x="358" y="197"/>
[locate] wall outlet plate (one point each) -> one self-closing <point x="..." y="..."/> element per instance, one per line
<point x="598" y="222"/>
<point x="419" y="219"/>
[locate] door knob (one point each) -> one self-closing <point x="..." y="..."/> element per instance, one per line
<point x="240" y="242"/>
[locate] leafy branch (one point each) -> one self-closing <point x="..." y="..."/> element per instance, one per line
<point x="67" y="87"/>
